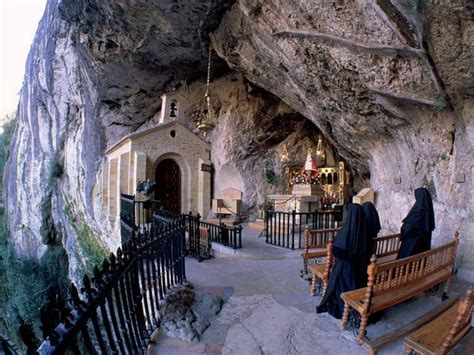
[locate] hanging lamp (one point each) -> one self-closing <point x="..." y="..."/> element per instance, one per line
<point x="205" y="123"/>
<point x="284" y="154"/>
<point x="320" y="149"/>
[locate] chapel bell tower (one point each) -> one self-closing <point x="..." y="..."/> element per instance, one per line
<point x="170" y="108"/>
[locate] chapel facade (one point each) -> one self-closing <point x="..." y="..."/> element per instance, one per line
<point x="171" y="155"/>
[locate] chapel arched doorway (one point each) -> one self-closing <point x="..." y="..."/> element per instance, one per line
<point x="168" y="190"/>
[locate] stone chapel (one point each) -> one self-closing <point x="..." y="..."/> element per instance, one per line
<point x="170" y="154"/>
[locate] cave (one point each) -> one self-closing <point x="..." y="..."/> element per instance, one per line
<point x="381" y="92"/>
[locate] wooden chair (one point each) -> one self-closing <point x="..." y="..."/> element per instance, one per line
<point x="227" y="203"/>
<point x="385" y="249"/>
<point x="396" y="281"/>
<point x="445" y="331"/>
<point x="315" y="247"/>
<point x="205" y="244"/>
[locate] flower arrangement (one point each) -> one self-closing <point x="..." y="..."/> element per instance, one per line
<point x="329" y="200"/>
<point x="304" y="177"/>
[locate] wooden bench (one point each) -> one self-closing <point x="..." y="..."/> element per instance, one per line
<point x="205" y="244"/>
<point x="315" y="242"/>
<point x="443" y="332"/>
<point x="385" y="249"/>
<point x="396" y="281"/>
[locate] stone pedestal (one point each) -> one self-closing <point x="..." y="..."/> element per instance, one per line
<point x="299" y="203"/>
<point x="307" y="190"/>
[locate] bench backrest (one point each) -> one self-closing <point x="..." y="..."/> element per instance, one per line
<point x="464" y="314"/>
<point x="397" y="274"/>
<point x="383" y="246"/>
<point x="318" y="238"/>
<point x="386" y="245"/>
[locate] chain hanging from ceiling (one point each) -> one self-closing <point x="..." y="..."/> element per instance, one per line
<point x="204" y="122"/>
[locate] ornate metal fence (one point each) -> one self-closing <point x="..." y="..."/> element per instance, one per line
<point x="116" y="310"/>
<point x="127" y="217"/>
<point x="286" y="229"/>
<point x="219" y="233"/>
<point x="148" y="216"/>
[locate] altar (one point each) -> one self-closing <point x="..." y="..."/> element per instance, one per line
<point x="314" y="200"/>
<point x="298" y="203"/>
<point x="312" y="188"/>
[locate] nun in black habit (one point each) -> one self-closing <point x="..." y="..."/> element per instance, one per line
<point x="417" y="226"/>
<point x="349" y="272"/>
<point x="372" y="227"/>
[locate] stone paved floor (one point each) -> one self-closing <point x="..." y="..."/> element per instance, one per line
<point x="268" y="309"/>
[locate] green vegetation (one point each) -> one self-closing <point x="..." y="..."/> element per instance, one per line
<point x="22" y="287"/>
<point x="24" y="282"/>
<point x="440" y="103"/>
<point x="269" y="175"/>
<point x="5" y="138"/>
<point x="90" y="247"/>
<point x="415" y="4"/>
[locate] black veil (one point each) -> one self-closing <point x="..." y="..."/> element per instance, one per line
<point x="350" y="271"/>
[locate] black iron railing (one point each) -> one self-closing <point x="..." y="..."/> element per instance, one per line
<point x="286" y="229"/>
<point x="137" y="216"/>
<point x="144" y="211"/>
<point x="116" y="310"/>
<point x="127" y="217"/>
<point x="146" y="216"/>
<point x="219" y="233"/>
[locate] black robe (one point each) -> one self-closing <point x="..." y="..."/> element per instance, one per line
<point x="348" y="273"/>
<point x="372" y="228"/>
<point x="417" y="226"/>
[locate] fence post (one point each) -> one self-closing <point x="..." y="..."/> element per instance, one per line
<point x="183" y="253"/>
<point x="225" y="240"/>
<point x="240" y="236"/>
<point x="293" y="225"/>
<point x="198" y="239"/>
<point x="233" y="233"/>
<point x="266" y="225"/>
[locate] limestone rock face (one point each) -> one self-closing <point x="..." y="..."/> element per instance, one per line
<point x="95" y="73"/>
<point x="388" y="83"/>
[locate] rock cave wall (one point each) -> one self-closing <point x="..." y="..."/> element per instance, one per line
<point x="389" y="85"/>
<point x="252" y="129"/>
<point x="95" y="72"/>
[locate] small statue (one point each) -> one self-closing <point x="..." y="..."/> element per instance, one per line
<point x="310" y="169"/>
<point x="147" y="187"/>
